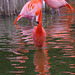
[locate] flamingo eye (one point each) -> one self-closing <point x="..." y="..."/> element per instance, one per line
<point x="37" y="22"/>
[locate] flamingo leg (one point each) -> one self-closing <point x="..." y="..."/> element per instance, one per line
<point x="53" y="13"/>
<point x="32" y="22"/>
<point x="58" y="12"/>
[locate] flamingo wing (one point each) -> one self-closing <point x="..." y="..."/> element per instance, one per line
<point x="30" y="8"/>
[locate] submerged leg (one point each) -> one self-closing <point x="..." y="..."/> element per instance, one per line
<point x="58" y="12"/>
<point x="53" y="12"/>
<point x="31" y="21"/>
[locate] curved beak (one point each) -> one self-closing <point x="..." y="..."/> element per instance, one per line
<point x="70" y="7"/>
<point x="37" y="19"/>
<point x="19" y="16"/>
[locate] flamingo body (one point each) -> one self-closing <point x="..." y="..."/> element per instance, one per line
<point x="30" y="10"/>
<point x="56" y="4"/>
<point x="39" y="34"/>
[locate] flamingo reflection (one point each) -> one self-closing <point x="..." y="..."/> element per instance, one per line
<point x="21" y="44"/>
<point x="41" y="61"/>
<point x="61" y="33"/>
<point x="26" y="34"/>
<point x="16" y="61"/>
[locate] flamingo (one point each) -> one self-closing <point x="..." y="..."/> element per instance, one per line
<point x="41" y="62"/>
<point x="56" y="4"/>
<point x="30" y="10"/>
<point x="39" y="34"/>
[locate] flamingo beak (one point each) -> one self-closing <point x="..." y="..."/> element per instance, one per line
<point x="70" y="7"/>
<point x="19" y="16"/>
<point x="37" y="19"/>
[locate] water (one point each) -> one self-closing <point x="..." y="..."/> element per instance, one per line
<point x="18" y="55"/>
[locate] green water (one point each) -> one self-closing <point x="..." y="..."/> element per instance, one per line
<point x="18" y="55"/>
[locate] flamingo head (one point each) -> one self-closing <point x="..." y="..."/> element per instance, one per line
<point x="39" y="18"/>
<point x="19" y="16"/>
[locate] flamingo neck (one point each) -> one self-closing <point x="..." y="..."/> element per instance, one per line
<point x="39" y="26"/>
<point x="41" y="1"/>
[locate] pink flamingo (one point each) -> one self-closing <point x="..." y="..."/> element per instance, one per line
<point x="30" y="10"/>
<point x="56" y="4"/>
<point x="39" y="34"/>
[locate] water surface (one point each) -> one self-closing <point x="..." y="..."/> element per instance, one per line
<point x="18" y="55"/>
